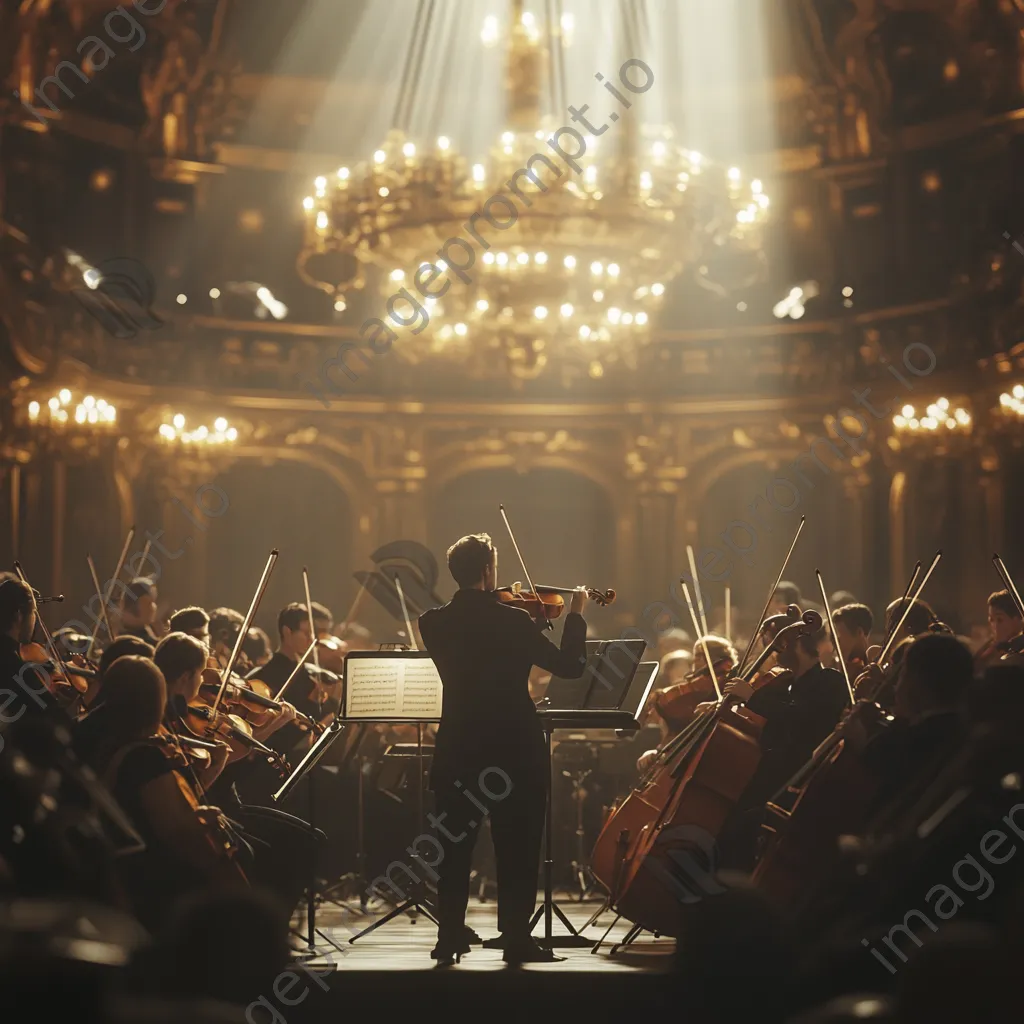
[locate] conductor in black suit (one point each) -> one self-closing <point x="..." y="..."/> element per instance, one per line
<point x="490" y="749"/>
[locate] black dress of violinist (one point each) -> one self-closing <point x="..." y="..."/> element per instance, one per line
<point x="798" y="716"/>
<point x="490" y="744"/>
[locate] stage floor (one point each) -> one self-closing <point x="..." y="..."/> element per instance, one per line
<point x="388" y="974"/>
<point x="401" y="945"/>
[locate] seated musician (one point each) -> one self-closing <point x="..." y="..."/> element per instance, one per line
<point x="140" y="610"/>
<point x="919" y="619"/>
<point x="1005" y="629"/>
<point x="256" y="647"/>
<point x="312" y="699"/>
<point x="192" y="620"/>
<point x="225" y="624"/>
<point x="118" y="648"/>
<point x="118" y="742"/>
<point x="676" y="705"/>
<point x="798" y="715"/>
<point x="931" y="698"/>
<point x="23" y="685"/>
<point x="853" y="623"/>
<point x="181" y="658"/>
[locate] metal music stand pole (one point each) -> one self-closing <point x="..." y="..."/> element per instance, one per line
<point x="304" y="768"/>
<point x="549" y="907"/>
<point x="417" y="903"/>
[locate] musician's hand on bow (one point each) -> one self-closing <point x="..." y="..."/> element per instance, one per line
<point x="738" y="688"/>
<point x="579" y="601"/>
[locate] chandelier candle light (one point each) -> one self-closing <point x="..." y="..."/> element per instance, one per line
<point x="541" y="255"/>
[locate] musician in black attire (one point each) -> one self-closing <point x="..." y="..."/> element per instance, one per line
<point x="929" y="719"/>
<point x="22" y="684"/>
<point x="303" y="693"/>
<point x="798" y="717"/>
<point x="490" y="743"/>
<point x="139" y="612"/>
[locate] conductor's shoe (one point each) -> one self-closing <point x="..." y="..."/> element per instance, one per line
<point x="447" y="955"/>
<point x="472" y="939"/>
<point x="498" y="942"/>
<point x="525" y="951"/>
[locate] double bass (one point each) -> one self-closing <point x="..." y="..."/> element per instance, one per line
<point x="681" y="804"/>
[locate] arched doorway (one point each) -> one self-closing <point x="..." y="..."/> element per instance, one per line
<point x="296" y="509"/>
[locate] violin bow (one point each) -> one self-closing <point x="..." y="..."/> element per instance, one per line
<point x="771" y="594"/>
<point x="244" y="631"/>
<point x="312" y="634"/>
<point x="405" y="613"/>
<point x="702" y="640"/>
<point x="519" y="555"/>
<point x="835" y="638"/>
<point x="1004" y="575"/>
<point x="906" y="594"/>
<point x="906" y="611"/>
<point x="354" y="607"/>
<point x="99" y="594"/>
<point x="728" y="614"/>
<point x="105" y="598"/>
<point x="142" y="561"/>
<point x="295" y="671"/>
<point x="696" y="589"/>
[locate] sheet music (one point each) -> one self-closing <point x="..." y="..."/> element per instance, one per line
<point x="392" y="688"/>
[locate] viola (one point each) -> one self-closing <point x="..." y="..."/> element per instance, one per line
<point x="546" y="603"/>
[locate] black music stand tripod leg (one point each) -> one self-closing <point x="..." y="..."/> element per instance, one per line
<point x="549" y="908"/>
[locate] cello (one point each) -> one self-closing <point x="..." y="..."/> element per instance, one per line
<point x="830" y="795"/>
<point x="642" y="812"/>
<point x="682" y="803"/>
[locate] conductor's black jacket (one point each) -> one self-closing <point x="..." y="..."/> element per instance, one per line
<point x="484" y="651"/>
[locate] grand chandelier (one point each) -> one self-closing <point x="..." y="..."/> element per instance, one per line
<point x="582" y="271"/>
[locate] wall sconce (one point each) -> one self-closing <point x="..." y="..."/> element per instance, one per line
<point x="1012" y="404"/>
<point x="939" y="418"/>
<point x="175" y="432"/>
<point x="62" y="411"/>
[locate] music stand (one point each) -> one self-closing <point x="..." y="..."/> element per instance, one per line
<point x="310" y="760"/>
<point x="610" y="694"/>
<point x="395" y="687"/>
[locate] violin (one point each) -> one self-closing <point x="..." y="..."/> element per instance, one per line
<point x="330" y="653"/>
<point x="676" y="705"/>
<point x="251" y="699"/>
<point x="546" y="603"/>
<point x="202" y="722"/>
<point x="61" y="682"/>
<point x="185" y="752"/>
